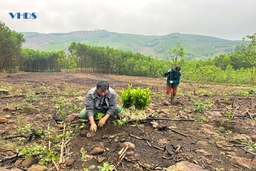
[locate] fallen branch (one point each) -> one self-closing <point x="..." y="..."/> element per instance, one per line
<point x="134" y="136"/>
<point x="250" y="115"/>
<point x="62" y="149"/>
<point x="156" y="118"/>
<point x="49" y="143"/>
<point x="148" y="143"/>
<point x="14" y="136"/>
<point x="177" y="132"/>
<point x="248" y="151"/>
<point x="247" y="114"/>
<point x="234" y="112"/>
<point x="139" y="138"/>
<point x="168" y="158"/>
<point x="143" y="166"/>
<point x="178" y="148"/>
<point x="121" y="155"/>
<point x="11" y="96"/>
<point x="154" y="166"/>
<point x="140" y="128"/>
<point x="159" y="148"/>
<point x="10" y="157"/>
<point x="167" y="151"/>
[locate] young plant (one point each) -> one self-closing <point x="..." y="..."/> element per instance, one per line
<point x="63" y="107"/>
<point x="228" y="132"/>
<point x="126" y="96"/>
<point x="84" y="159"/>
<point x="201" y="118"/>
<point x="249" y="145"/>
<point x="119" y="121"/>
<point x="138" y="97"/>
<point x="141" y="98"/>
<point x="44" y="155"/>
<point x="25" y="106"/>
<point x="201" y="107"/>
<point x="227" y="100"/>
<point x="99" y="116"/>
<point x="229" y="114"/>
<point x="30" y="97"/>
<point x="106" y="167"/>
<point x="25" y="130"/>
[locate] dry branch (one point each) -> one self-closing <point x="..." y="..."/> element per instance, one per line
<point x="248" y="151"/>
<point x="234" y="112"/>
<point x="121" y="155"/>
<point x="157" y="118"/>
<point x="250" y="115"/>
<point x="139" y="138"/>
<point x="134" y="136"/>
<point x="167" y="151"/>
<point x="148" y="144"/>
<point x="140" y="129"/>
<point x="177" y="132"/>
<point x="62" y="149"/>
<point x="10" y="157"/>
<point x="159" y="148"/>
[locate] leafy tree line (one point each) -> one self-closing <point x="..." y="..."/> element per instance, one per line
<point x="109" y="60"/>
<point x="39" y="61"/>
<point x="243" y="60"/>
<point x="13" y="58"/>
<point x="201" y="72"/>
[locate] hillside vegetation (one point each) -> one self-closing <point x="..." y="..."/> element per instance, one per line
<point x="197" y="46"/>
<point x="237" y="67"/>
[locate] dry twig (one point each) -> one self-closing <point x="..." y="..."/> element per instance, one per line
<point x="156" y="118"/>
<point x="177" y="132"/>
<point x="121" y="155"/>
<point x="140" y="129"/>
<point x="10" y="157"/>
<point x="139" y="138"/>
<point x="62" y="149"/>
<point x="159" y="148"/>
<point x="248" y="151"/>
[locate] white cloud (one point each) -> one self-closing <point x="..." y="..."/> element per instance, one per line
<point x="229" y="19"/>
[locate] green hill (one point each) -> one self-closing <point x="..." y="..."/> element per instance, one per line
<point x="196" y="46"/>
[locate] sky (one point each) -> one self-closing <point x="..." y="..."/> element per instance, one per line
<point x="226" y="19"/>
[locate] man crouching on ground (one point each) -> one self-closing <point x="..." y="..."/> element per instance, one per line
<point x="100" y="99"/>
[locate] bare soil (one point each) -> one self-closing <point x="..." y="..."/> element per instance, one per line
<point x="190" y="134"/>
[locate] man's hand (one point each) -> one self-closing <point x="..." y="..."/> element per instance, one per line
<point x="171" y="81"/>
<point x="103" y="120"/>
<point x="93" y="127"/>
<point x="169" y="70"/>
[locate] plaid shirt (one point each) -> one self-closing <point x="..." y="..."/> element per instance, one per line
<point x="94" y="101"/>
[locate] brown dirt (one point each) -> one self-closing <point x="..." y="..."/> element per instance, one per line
<point x="149" y="152"/>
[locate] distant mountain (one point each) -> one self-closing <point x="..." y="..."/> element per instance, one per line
<point x="196" y="46"/>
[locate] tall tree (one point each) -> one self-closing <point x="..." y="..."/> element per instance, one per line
<point x="177" y="52"/>
<point x="10" y="49"/>
<point x="251" y="54"/>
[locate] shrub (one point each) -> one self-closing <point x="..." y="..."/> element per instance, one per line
<point x="141" y="98"/>
<point x="126" y="96"/>
<point x="138" y="97"/>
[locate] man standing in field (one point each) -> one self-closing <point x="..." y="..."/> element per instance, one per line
<point x="173" y="80"/>
<point x="100" y="99"/>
